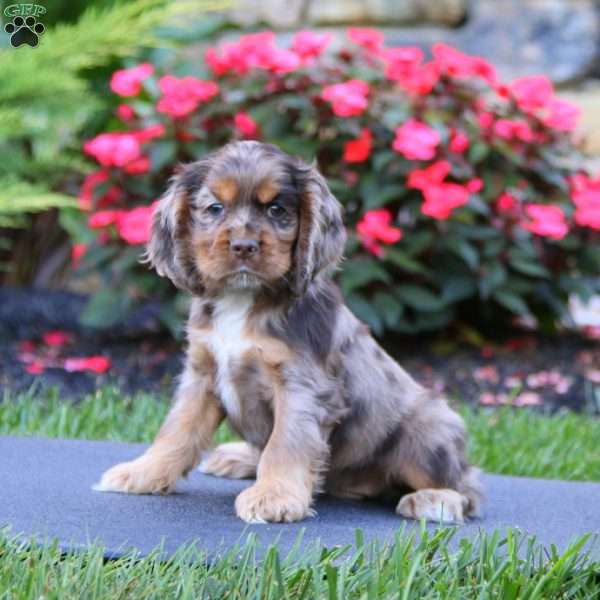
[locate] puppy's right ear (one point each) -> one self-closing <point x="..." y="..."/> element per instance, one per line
<point x="169" y="250"/>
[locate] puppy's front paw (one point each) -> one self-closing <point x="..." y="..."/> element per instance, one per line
<point x="446" y="506"/>
<point x="141" y="476"/>
<point x="261" y="503"/>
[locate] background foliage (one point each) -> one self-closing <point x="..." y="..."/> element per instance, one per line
<point x="464" y="196"/>
<point x="53" y="95"/>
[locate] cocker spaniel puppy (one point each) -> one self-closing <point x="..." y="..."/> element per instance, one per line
<point x="252" y="233"/>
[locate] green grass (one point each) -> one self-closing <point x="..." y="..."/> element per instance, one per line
<point x="503" y="566"/>
<point x="507" y="441"/>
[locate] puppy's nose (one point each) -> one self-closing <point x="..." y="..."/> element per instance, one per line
<point x="244" y="248"/>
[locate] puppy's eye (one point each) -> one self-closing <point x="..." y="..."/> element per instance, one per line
<point x="275" y="211"/>
<point x="215" y="209"/>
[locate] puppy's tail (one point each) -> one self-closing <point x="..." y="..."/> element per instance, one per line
<point x="471" y="488"/>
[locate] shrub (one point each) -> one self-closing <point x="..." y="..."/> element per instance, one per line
<point x="465" y="197"/>
<point x="47" y="98"/>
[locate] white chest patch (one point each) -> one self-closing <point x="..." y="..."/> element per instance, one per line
<point x="227" y="344"/>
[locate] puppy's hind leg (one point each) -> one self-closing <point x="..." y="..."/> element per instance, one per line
<point x="431" y="460"/>
<point x="235" y="460"/>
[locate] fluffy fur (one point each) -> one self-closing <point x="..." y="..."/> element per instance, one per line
<point x="252" y="234"/>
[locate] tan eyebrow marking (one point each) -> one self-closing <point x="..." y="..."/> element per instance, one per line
<point x="267" y="190"/>
<point x="225" y="189"/>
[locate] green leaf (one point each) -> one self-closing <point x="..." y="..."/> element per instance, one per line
<point x="365" y="312"/>
<point x="360" y="271"/>
<point x="529" y="268"/>
<point x="74" y="222"/>
<point x="474" y="232"/>
<point x="382" y="159"/>
<point x="493" y="247"/>
<point x="388" y="307"/>
<point x="97" y="256"/>
<point x="418" y="297"/>
<point x="478" y="151"/>
<point x="379" y="197"/>
<point x="415" y="242"/>
<point x="458" y="288"/>
<point x="404" y="261"/>
<point x="162" y="153"/>
<point x="465" y="250"/>
<point x="105" y="308"/>
<point x="494" y="275"/>
<point x="128" y="258"/>
<point x="512" y="302"/>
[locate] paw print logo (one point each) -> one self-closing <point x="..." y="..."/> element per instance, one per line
<point x="24" y="31"/>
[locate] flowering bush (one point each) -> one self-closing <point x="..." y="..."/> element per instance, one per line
<point x="464" y="196"/>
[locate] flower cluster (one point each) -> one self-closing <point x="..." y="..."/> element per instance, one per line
<point x="585" y="192"/>
<point x="49" y="353"/>
<point x="456" y="183"/>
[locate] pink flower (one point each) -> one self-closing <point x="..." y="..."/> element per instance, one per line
<point x="245" y="124"/>
<point x="308" y="45"/>
<point x="416" y="141"/>
<point x="26" y="347"/>
<point x="97" y="364"/>
<point x="138" y="166"/>
<point x="562" y="115"/>
<point x="359" y="150"/>
<point x="88" y="187"/>
<point x="56" y="338"/>
<point x="405" y="65"/>
<point x="585" y="193"/>
<point x="459" y="142"/>
<point x="374" y="227"/>
<point x="487" y="373"/>
<point x="128" y="82"/>
<point x="181" y="96"/>
<point x="527" y="399"/>
<point x="485" y="120"/>
<point x="546" y="221"/>
<point x="125" y="113"/>
<point x="36" y="367"/>
<point x="347" y="99"/>
<point x="369" y="39"/>
<point x="143" y="136"/>
<point x="513" y="130"/>
<point x="218" y="60"/>
<point x="134" y="226"/>
<point x="506" y="203"/>
<point x="282" y="61"/>
<point x="113" y="149"/>
<point x="252" y="51"/>
<point x="442" y="199"/>
<point x="77" y="253"/>
<point x="532" y="93"/>
<point x="104" y="218"/>
<point x="434" y="174"/>
<point x="475" y="185"/>
<point x="457" y="64"/>
<point x="401" y="62"/>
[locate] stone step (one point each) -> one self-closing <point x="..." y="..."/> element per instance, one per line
<point x="46" y="492"/>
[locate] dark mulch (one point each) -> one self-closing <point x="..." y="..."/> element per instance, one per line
<point x="523" y="370"/>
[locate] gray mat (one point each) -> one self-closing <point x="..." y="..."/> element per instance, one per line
<point x="45" y="490"/>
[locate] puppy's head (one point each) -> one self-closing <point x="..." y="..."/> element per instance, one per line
<point x="247" y="216"/>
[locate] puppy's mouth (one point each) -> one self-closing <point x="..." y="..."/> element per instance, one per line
<point x="243" y="278"/>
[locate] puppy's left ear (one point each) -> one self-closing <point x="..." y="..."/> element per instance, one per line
<point x="321" y="236"/>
